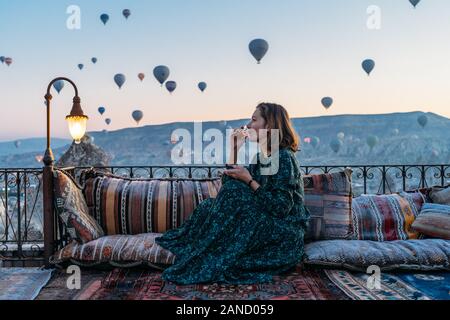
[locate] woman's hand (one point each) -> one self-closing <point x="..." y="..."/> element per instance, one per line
<point x="239" y="173"/>
<point x="238" y="137"/>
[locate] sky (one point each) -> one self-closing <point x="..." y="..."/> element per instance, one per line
<point x="316" y="50"/>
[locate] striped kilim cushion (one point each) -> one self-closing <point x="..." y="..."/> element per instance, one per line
<point x="386" y="217"/>
<point x="329" y="200"/>
<point x="119" y="250"/>
<point x="358" y="255"/>
<point x="433" y="221"/>
<point x="133" y="206"/>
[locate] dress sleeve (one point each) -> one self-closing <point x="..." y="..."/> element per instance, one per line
<point x="277" y="197"/>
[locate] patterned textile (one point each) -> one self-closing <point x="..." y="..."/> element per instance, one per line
<point x="328" y="197"/>
<point x="440" y="195"/>
<point x="118" y="250"/>
<point x="72" y="209"/>
<point x="22" y="283"/>
<point x="400" y="286"/>
<point x="434" y="221"/>
<point x="386" y="217"/>
<point x="137" y="284"/>
<point x="134" y="206"/>
<point x="358" y="255"/>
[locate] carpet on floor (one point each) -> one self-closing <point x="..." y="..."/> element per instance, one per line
<point x="146" y="284"/>
<point x="22" y="283"/>
<point x="393" y="286"/>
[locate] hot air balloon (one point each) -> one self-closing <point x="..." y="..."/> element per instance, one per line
<point x="258" y="48"/>
<point x="171" y="86"/>
<point x="126" y="13"/>
<point x="101" y="110"/>
<point x="327" y="102"/>
<point x="414" y="2"/>
<point x="372" y="141"/>
<point x="336" y="145"/>
<point x="161" y="74"/>
<point x="2" y="59"/>
<point x="17" y="143"/>
<point x="8" y="61"/>
<point x="202" y="86"/>
<point x="108" y="121"/>
<point x="39" y="158"/>
<point x="315" y="141"/>
<point x="368" y="65"/>
<point x="174" y="139"/>
<point x="141" y="76"/>
<point x="94" y="60"/>
<point x="104" y="17"/>
<point x="341" y="135"/>
<point x="80" y="66"/>
<point x="137" y="115"/>
<point x="119" y="79"/>
<point x="58" y="85"/>
<point x="422" y="120"/>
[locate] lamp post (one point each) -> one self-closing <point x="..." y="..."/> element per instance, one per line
<point x="77" y="127"/>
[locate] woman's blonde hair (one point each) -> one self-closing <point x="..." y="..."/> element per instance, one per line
<point x="277" y="117"/>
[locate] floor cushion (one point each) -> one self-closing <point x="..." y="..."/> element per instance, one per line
<point x="433" y="221"/>
<point x="386" y="217"/>
<point x="72" y="209"/>
<point x="117" y="250"/>
<point x="328" y="197"/>
<point x="133" y="206"/>
<point x="358" y="255"/>
<point x="440" y="195"/>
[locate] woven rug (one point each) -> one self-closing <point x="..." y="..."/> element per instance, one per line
<point x="22" y="283"/>
<point x="398" y="286"/>
<point x="132" y="284"/>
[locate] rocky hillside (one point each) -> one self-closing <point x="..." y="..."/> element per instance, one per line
<point x="400" y="140"/>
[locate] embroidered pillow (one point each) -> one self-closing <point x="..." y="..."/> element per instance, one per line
<point x="72" y="209"/>
<point x="440" y="195"/>
<point x="329" y="199"/>
<point x="117" y="250"/>
<point x="134" y="206"/>
<point x="358" y="255"/>
<point x="386" y="217"/>
<point x="434" y="221"/>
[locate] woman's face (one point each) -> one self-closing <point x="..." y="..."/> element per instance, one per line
<point x="256" y="123"/>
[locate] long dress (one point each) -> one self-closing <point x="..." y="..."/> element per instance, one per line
<point x="243" y="236"/>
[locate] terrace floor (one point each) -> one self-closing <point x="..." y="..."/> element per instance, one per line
<point x="298" y="284"/>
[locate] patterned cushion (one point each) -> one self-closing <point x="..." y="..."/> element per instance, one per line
<point x="133" y="206"/>
<point x="357" y="255"/>
<point x="386" y="217"/>
<point x="329" y="200"/>
<point x="72" y="209"/>
<point x="118" y="250"/>
<point x="433" y="221"/>
<point x="440" y="195"/>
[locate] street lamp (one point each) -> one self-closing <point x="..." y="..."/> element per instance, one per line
<point x="77" y="126"/>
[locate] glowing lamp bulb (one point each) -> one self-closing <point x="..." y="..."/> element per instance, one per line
<point x="77" y="126"/>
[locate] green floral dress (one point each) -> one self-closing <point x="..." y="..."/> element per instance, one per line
<point x="243" y="236"/>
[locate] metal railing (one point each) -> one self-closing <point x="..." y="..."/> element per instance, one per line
<point x="21" y="202"/>
<point x="21" y="215"/>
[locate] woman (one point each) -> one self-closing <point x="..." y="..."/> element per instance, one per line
<point x="254" y="228"/>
